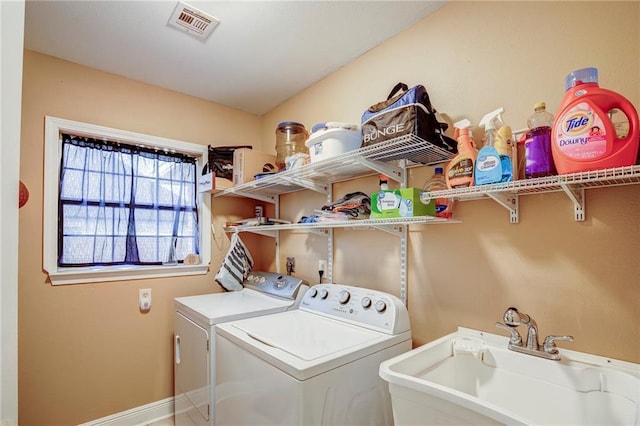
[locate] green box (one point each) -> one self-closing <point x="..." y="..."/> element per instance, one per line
<point x="405" y="202"/>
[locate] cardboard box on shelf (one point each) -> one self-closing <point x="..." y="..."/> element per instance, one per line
<point x="405" y="202"/>
<point x="210" y="183"/>
<point x="249" y="162"/>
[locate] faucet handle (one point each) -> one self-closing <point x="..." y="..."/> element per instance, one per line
<point x="515" y="339"/>
<point x="549" y="345"/>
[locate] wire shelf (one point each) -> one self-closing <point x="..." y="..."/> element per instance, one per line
<point x="319" y="175"/>
<point x="361" y="162"/>
<point x="355" y="223"/>
<point x="597" y="178"/>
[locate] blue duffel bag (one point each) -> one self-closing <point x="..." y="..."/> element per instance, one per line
<point x="406" y="112"/>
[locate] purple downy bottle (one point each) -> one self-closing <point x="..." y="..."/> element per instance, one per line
<point x="537" y="147"/>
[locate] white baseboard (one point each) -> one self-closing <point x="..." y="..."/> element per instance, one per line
<point x="137" y="416"/>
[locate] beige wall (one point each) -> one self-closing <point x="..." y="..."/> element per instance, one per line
<point x="86" y="351"/>
<point x="476" y="56"/>
<point x="578" y="278"/>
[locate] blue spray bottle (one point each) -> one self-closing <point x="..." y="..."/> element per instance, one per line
<point x="493" y="164"/>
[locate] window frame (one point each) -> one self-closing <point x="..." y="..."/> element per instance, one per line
<point x="82" y="275"/>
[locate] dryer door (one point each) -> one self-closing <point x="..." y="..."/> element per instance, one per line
<point x="192" y="384"/>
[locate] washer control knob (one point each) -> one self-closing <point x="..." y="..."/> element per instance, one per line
<point x="324" y="293"/>
<point x="381" y="306"/>
<point x="344" y="297"/>
<point x="280" y="283"/>
<point x="261" y="279"/>
<point x="312" y="292"/>
<point x="366" y="302"/>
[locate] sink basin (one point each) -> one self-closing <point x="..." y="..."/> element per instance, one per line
<point x="470" y="377"/>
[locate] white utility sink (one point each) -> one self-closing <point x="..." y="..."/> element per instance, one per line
<point x="470" y="377"/>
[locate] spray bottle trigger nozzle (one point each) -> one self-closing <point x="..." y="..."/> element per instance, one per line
<point x="489" y="120"/>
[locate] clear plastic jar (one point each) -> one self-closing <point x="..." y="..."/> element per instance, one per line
<point x="290" y="139"/>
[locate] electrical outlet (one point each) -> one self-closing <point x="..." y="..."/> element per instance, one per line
<point x="322" y="268"/>
<point x="144" y="299"/>
<point x="322" y="265"/>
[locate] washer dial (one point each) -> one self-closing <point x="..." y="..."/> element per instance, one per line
<point x="280" y="283"/>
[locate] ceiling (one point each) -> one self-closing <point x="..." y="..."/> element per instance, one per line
<point x="258" y="56"/>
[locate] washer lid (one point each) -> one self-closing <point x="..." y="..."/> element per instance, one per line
<point x="304" y="344"/>
<point x="307" y="337"/>
<point x="220" y="307"/>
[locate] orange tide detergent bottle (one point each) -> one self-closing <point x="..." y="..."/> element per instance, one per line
<point x="584" y="137"/>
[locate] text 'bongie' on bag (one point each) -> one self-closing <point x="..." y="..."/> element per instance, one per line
<point x="405" y="112"/>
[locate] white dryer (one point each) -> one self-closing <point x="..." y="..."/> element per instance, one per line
<point x="194" y="346"/>
<point x="317" y="365"/>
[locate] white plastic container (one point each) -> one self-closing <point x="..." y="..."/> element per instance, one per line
<point x="333" y="140"/>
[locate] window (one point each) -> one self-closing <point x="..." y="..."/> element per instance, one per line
<point x="121" y="205"/>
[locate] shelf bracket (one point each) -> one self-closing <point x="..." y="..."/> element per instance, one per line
<point x="330" y="260"/>
<point x="396" y="230"/>
<point x="393" y="172"/>
<point x="509" y="202"/>
<point x="266" y="198"/>
<point x="308" y="184"/>
<point x="321" y="232"/>
<point x="576" y="195"/>
<point x="264" y="232"/>
<point x="329" y="235"/>
<point x="403" y="264"/>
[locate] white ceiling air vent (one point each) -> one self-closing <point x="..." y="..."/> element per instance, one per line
<point x="193" y="21"/>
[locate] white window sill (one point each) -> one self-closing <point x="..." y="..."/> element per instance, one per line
<point x="121" y="273"/>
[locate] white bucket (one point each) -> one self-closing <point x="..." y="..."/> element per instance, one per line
<point x="330" y="142"/>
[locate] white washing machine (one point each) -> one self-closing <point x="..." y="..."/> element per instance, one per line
<point x="194" y="344"/>
<point x="317" y="365"/>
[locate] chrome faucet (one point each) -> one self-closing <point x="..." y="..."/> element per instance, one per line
<point x="512" y="319"/>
